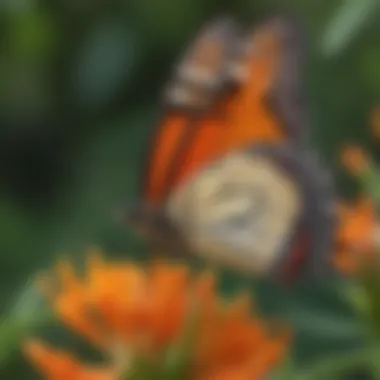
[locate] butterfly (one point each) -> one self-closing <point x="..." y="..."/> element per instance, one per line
<point x="230" y="173"/>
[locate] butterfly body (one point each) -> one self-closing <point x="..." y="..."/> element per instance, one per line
<point x="230" y="178"/>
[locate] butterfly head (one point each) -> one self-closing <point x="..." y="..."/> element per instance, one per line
<point x="152" y="223"/>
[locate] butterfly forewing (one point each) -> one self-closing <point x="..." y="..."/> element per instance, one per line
<point x="200" y="76"/>
<point x="184" y="141"/>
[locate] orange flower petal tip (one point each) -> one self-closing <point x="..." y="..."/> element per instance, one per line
<point x="58" y="365"/>
<point x="66" y="274"/>
<point x="356" y="224"/>
<point x="343" y="261"/>
<point x="356" y="236"/>
<point x="355" y="159"/>
<point x="145" y="311"/>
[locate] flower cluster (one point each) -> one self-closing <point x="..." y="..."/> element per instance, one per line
<point x="359" y="232"/>
<point x="162" y="316"/>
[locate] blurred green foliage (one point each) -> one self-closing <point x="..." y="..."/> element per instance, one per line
<point x="79" y="81"/>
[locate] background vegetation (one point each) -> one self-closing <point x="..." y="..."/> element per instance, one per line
<point x="79" y="80"/>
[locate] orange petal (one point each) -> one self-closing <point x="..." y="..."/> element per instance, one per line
<point x="242" y="336"/>
<point x="357" y="225"/>
<point x="233" y="373"/>
<point x="355" y="159"/>
<point x="118" y="293"/>
<point x="57" y="365"/>
<point x="269" y="357"/>
<point x="204" y="291"/>
<point x="345" y="263"/>
<point x="169" y="299"/>
<point x="74" y="311"/>
<point x="67" y="276"/>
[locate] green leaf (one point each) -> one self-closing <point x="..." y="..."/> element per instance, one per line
<point x="359" y="298"/>
<point x="370" y="282"/>
<point x="345" y="25"/>
<point x="20" y="247"/>
<point x="27" y="303"/>
<point x="325" y="325"/>
<point x="371" y="183"/>
<point x="286" y="371"/>
<point x="25" y="315"/>
<point x="178" y="357"/>
<point x="143" y="369"/>
<point x="370" y="67"/>
<point x="333" y="366"/>
<point x="14" y="329"/>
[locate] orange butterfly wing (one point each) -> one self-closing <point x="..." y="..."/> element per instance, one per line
<point x="249" y="118"/>
<point x="201" y="144"/>
<point x="241" y="119"/>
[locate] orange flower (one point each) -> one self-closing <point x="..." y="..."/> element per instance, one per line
<point x="356" y="236"/>
<point x="355" y="159"/>
<point x="130" y="312"/>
